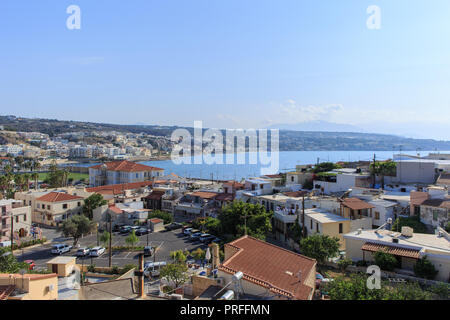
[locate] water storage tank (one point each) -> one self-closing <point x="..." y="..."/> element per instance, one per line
<point x="238" y="276"/>
<point x="229" y="295"/>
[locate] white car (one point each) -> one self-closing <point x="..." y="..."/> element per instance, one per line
<point x="153" y="268"/>
<point x="188" y="231"/>
<point x="82" y="252"/>
<point x="96" y="251"/>
<point x="61" y="248"/>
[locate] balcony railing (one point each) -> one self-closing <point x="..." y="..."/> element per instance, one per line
<point x="5" y="226"/>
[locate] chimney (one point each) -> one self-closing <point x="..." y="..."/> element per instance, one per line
<point x="141" y="275"/>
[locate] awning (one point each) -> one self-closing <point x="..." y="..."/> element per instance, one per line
<point x="396" y="251"/>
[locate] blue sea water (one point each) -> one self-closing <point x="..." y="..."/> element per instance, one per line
<point x="287" y="162"/>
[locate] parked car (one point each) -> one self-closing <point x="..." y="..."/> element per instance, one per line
<point x="82" y="252"/>
<point x="149" y="251"/>
<point x="153" y="268"/>
<point x="116" y="228"/>
<point x="173" y="226"/>
<point x="31" y="264"/>
<point x="96" y="251"/>
<point x="195" y="236"/>
<point x="61" y="248"/>
<point x="141" y="231"/>
<point x="216" y="240"/>
<point x="187" y="231"/>
<point x="125" y="229"/>
<point x="208" y="239"/>
<point x="204" y="236"/>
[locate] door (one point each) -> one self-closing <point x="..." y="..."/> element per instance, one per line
<point x="54" y="268"/>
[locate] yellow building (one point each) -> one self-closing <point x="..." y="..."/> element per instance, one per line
<point x="55" y="207"/>
<point x="62" y="266"/>
<point x="326" y="223"/>
<point x="28" y="286"/>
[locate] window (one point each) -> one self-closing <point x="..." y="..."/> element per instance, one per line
<point x="317" y="226"/>
<point x="435" y="215"/>
<point x="48" y="207"/>
<point x="65" y="206"/>
<point x="292" y="179"/>
<point x="17" y="219"/>
<point x="311" y="225"/>
<point x="341" y="228"/>
<point x="38" y="206"/>
<point x="24" y="217"/>
<point x="377" y="215"/>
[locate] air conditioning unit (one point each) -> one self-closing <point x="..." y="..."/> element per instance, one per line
<point x="50" y="288"/>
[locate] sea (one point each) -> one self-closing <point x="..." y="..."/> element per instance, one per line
<point x="246" y="167"/>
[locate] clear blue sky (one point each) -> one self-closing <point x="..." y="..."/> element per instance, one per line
<point x="233" y="63"/>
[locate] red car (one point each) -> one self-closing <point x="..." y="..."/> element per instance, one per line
<point x="31" y="264"/>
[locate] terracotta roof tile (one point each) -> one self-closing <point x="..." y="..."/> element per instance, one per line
<point x="58" y="197"/>
<point x="126" y="166"/>
<point x="270" y="266"/>
<point x="204" y="194"/>
<point x="31" y="276"/>
<point x="408" y="253"/>
<point x="356" y="204"/>
<point x="119" y="188"/>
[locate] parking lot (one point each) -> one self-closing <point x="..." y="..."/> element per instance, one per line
<point x="164" y="241"/>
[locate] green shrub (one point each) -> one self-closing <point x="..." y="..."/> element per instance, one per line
<point x="127" y="268"/>
<point x="425" y="269"/>
<point x="362" y="263"/>
<point x="91" y="268"/>
<point x="167" y="217"/>
<point x="385" y="261"/>
<point x="344" y="263"/>
<point x="115" y="270"/>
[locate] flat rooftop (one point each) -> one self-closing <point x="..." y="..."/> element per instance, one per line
<point x="418" y="240"/>
<point x="323" y="216"/>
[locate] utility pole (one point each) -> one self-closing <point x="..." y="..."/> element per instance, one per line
<point x="110" y="240"/>
<point x="373" y="169"/>
<point x="303" y="217"/>
<point x="12" y="232"/>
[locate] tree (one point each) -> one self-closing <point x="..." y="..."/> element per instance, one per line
<point x="132" y="239"/>
<point x="295" y="231"/>
<point x="385" y="261"/>
<point x="91" y="203"/>
<point x="104" y="238"/>
<point x="412" y="222"/>
<point x="383" y="169"/>
<point x="355" y="287"/>
<point x="344" y="263"/>
<point x="176" y="273"/>
<point x="167" y="217"/>
<point x="213" y="226"/>
<point x="179" y="256"/>
<point x="35" y="177"/>
<point x="9" y="263"/>
<point x="425" y="269"/>
<point x="325" y="166"/>
<point x="238" y="217"/>
<point x="320" y="247"/>
<point x="198" y="254"/>
<point x="76" y="227"/>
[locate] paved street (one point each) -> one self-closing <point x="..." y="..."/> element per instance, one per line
<point x="164" y="241"/>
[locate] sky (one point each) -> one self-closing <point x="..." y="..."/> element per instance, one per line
<point x="230" y="64"/>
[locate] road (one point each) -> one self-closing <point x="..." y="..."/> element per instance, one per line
<point x="164" y="241"/>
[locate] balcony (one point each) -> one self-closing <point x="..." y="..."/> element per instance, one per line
<point x="285" y="215"/>
<point x="5" y="226"/>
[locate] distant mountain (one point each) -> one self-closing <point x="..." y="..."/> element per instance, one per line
<point x="318" y="125"/>
<point x="313" y="136"/>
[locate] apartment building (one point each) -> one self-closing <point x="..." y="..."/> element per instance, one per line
<point x="21" y="219"/>
<point x="118" y="172"/>
<point x="55" y="207"/>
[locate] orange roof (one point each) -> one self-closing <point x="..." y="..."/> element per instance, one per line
<point x="31" y="276"/>
<point x="356" y="204"/>
<point x="397" y="251"/>
<point x="296" y="194"/>
<point x="234" y="184"/>
<point x="204" y="194"/>
<point x="58" y="197"/>
<point x="119" y="188"/>
<point x="156" y="220"/>
<point x="270" y="266"/>
<point x="114" y="209"/>
<point x="126" y="166"/>
<point x="417" y="197"/>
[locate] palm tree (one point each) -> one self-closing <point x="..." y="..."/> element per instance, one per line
<point x="35" y="177"/>
<point x="26" y="178"/>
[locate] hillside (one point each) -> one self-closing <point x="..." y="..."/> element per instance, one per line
<point x="289" y="140"/>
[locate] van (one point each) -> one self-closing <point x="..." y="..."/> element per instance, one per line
<point x="60" y="248"/>
<point x="153" y="268"/>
